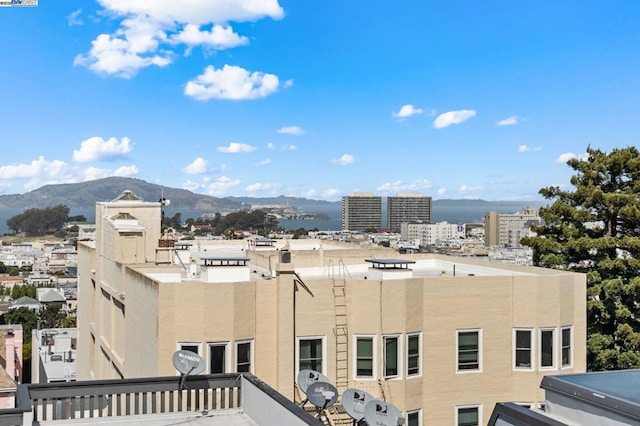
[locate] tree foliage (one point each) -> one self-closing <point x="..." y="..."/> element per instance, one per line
<point x="24" y="316"/>
<point x="594" y="228"/>
<point x="241" y="220"/>
<point x="40" y="221"/>
<point x="51" y="316"/>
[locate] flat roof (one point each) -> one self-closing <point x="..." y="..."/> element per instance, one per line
<point x="616" y="391"/>
<point x="227" y="417"/>
<point x="423" y="268"/>
<point x="390" y="263"/>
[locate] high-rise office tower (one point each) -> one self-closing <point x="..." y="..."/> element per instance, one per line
<point x="408" y="207"/>
<point x="361" y="211"/>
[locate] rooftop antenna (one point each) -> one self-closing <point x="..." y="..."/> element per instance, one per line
<point x="322" y="395"/>
<point x="354" y="401"/>
<point x="308" y="377"/>
<point x="163" y="203"/>
<point x="188" y="364"/>
<point x="382" y="413"/>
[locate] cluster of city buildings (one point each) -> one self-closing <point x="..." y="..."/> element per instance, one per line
<point x="410" y="227"/>
<point x="445" y="339"/>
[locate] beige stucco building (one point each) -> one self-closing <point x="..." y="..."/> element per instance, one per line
<point x="442" y="338"/>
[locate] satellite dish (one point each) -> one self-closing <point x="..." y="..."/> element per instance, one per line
<point x="382" y="413"/>
<point x="322" y="394"/>
<point x="307" y="377"/>
<point x="354" y="401"/>
<point x="188" y="363"/>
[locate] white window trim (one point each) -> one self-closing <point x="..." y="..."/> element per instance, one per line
<point x="399" y="356"/>
<point x="251" y="354"/>
<point x="554" y="354"/>
<point x="478" y="406"/>
<point x="227" y="355"/>
<point x="480" y="337"/>
<point x="185" y="343"/>
<point x="419" y="411"/>
<point x="420" y="355"/>
<point x="533" y="348"/>
<point x="355" y="357"/>
<point x="324" y="352"/>
<point x="571" y="342"/>
<point x="179" y="345"/>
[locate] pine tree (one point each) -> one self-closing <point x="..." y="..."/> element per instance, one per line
<point x="595" y="228"/>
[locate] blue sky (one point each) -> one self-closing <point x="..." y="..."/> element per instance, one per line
<point x="316" y="98"/>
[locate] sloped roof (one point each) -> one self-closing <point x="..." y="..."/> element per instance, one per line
<point x="128" y="195"/>
<point x="52" y="296"/>
<point x="24" y="301"/>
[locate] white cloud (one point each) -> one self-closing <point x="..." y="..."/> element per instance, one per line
<point x="218" y="37"/>
<point x="93" y="173"/>
<point x="288" y="83"/>
<point x="465" y="188"/>
<point x="566" y="156"/>
<point x="285" y="147"/>
<point x="400" y="186"/>
<point x="197" y="11"/>
<point x="407" y="111"/>
<point x="191" y="186"/>
<point x="130" y="48"/>
<point x="124" y="171"/>
<point x="74" y="18"/>
<point x="197" y="166"/>
<point x="96" y="148"/>
<point x="309" y="193"/>
<point x="442" y="191"/>
<point x="331" y="193"/>
<point x="346" y="159"/>
<point x="36" y="169"/>
<point x="265" y="162"/>
<point x="453" y="117"/>
<point x="527" y="148"/>
<point x="263" y="187"/>
<point x="221" y="185"/>
<point x="231" y="82"/>
<point x="150" y="31"/>
<point x="509" y="121"/>
<point x="291" y="130"/>
<point x="235" y="147"/>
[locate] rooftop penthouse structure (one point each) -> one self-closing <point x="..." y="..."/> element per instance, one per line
<point x="442" y="338"/>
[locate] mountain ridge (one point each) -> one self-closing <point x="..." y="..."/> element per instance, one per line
<point x="85" y="194"/>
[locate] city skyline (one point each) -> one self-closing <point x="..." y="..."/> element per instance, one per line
<point x="315" y="100"/>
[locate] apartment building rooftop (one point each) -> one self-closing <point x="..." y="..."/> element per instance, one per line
<point x="223" y="399"/>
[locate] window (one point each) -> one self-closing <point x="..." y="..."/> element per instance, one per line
<point x="469" y="415"/>
<point x="547" y="338"/>
<point x="365" y="350"/>
<point x="414" y="418"/>
<point x="414" y="348"/>
<point x="391" y="358"/>
<point x="567" y="354"/>
<point x="469" y="350"/>
<point x="523" y="349"/>
<point x="310" y="354"/>
<point x="191" y="347"/>
<point x="218" y="358"/>
<point x="243" y="356"/>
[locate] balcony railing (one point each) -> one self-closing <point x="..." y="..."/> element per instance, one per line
<point x="145" y="396"/>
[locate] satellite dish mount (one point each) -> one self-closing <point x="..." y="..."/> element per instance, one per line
<point x="188" y="364"/>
